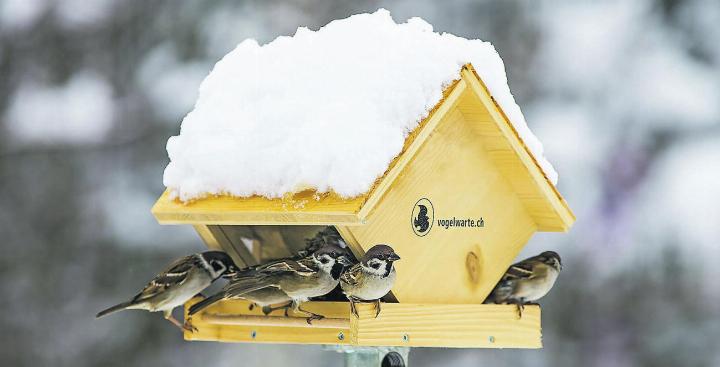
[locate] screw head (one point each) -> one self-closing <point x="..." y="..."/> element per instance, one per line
<point x="491" y="339"/>
<point x="253" y="334"/>
<point x="406" y="337"/>
<point x="341" y="336"/>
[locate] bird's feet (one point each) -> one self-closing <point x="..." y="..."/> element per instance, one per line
<point x="377" y="308"/>
<point x="314" y="317"/>
<point x="353" y="308"/>
<point x="188" y="326"/>
<point x="520" y="309"/>
<point x="297" y="309"/>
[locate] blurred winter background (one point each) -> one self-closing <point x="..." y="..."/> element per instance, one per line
<point x="624" y="94"/>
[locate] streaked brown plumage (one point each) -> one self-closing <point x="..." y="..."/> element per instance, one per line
<point x="527" y="281"/>
<point x="177" y="284"/>
<point x="311" y="276"/>
<point x="370" y="279"/>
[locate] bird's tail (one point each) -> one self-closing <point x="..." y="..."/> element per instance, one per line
<point x="205" y="303"/>
<point x="116" y="308"/>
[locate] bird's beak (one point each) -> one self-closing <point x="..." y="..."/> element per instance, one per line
<point x="393" y="257"/>
<point x="344" y="260"/>
<point x="229" y="274"/>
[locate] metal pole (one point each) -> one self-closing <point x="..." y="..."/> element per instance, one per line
<point x="373" y="356"/>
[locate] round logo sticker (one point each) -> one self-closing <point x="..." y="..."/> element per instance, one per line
<point x="422" y="218"/>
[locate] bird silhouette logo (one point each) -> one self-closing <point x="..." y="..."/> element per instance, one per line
<point x="422" y="217"/>
<point x="422" y="222"/>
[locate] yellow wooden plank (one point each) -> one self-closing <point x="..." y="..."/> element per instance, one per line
<point x="268" y="334"/>
<point x="464" y="326"/>
<point x="204" y="232"/>
<point x="454" y="172"/>
<point x="271" y="242"/>
<point x="211" y="329"/>
<point x="216" y="240"/>
<point x="234" y="247"/>
<point x="399" y="324"/>
<point x="532" y="172"/>
<point x="304" y="208"/>
<point x="351" y="241"/>
<point x="279" y="321"/>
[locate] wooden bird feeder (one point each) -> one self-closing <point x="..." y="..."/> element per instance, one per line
<point x="464" y="164"/>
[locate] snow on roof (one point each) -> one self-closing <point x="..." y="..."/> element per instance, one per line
<point x="328" y="109"/>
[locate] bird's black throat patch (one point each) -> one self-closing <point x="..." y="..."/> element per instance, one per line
<point x="336" y="271"/>
<point x="388" y="268"/>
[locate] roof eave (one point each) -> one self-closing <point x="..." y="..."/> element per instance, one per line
<point x="564" y="217"/>
<point x="304" y="208"/>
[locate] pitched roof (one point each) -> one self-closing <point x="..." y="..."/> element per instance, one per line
<point x="327" y="109"/>
<point x="470" y="95"/>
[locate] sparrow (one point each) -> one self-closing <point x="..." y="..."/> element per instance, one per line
<point x="371" y="278"/>
<point x="527" y="281"/>
<point x="177" y="284"/>
<point x="312" y="276"/>
<point x="328" y="236"/>
<point x="263" y="297"/>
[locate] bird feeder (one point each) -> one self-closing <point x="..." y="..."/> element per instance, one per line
<point x="458" y="204"/>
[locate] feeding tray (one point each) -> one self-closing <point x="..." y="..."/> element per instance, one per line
<point x="458" y="204"/>
<point x="399" y="324"/>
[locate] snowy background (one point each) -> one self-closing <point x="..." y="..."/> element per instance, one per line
<point x="625" y="96"/>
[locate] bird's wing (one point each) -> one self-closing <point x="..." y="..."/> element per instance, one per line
<point x="268" y="275"/>
<point x="173" y="275"/>
<point x="248" y="282"/>
<point x="303" y="267"/>
<point x="352" y="275"/>
<point x="521" y="270"/>
<point x="508" y="282"/>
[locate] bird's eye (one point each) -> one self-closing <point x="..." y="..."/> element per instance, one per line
<point x="376" y="265"/>
<point x="218" y="266"/>
<point x="324" y="260"/>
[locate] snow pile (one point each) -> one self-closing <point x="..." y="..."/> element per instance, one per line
<point x="327" y="109"/>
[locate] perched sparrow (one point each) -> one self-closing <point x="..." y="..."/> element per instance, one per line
<point x="370" y="279"/>
<point x="270" y="299"/>
<point x="181" y="281"/>
<point x="263" y="297"/>
<point x="311" y="276"/>
<point x="527" y="281"/>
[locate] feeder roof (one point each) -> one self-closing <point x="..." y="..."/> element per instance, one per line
<point x="327" y="112"/>
<point x="469" y="95"/>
